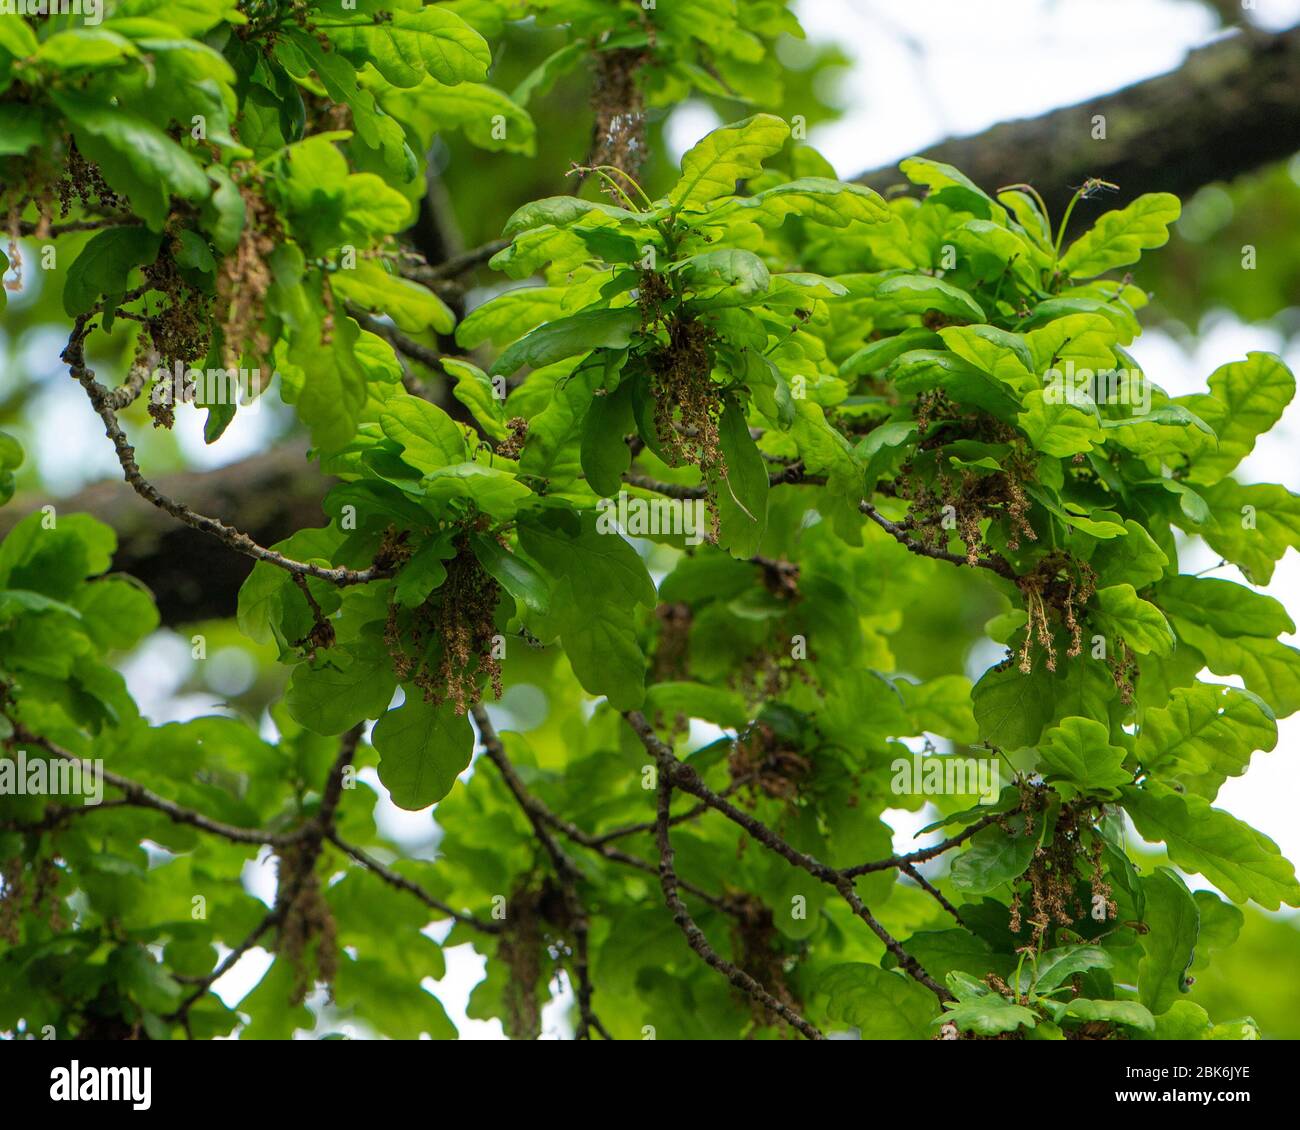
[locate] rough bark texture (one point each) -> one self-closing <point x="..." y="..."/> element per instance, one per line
<point x="1231" y="107"/>
<point x="192" y="575"/>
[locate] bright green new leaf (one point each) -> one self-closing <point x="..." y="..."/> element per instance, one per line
<point x="1205" y="735"/>
<point x="412" y="307"/>
<point x="1225" y="607"/>
<point x="921" y="294"/>
<point x="727" y="155"/>
<point x="881" y="1005"/>
<point x="429" y="438"/>
<point x="1173" y="923"/>
<point x="1246" y="399"/>
<point x="990" y="1015"/>
<point x="741" y="272"/>
<point x="1120" y="237"/>
<point x="1252" y="526"/>
<point x="1128" y="1013"/>
<point x="1060" y="429"/>
<point x="1054" y="967"/>
<point x="1269" y="668"/>
<point x="422" y="749"/>
<point x="1078" y="758"/>
<point x="431" y="41"/>
<point x="819" y="199"/>
<point x="1123" y="614"/>
<point x="567" y="337"/>
<point x="1241" y="862"/>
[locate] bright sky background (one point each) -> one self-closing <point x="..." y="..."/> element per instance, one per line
<point x="922" y="71"/>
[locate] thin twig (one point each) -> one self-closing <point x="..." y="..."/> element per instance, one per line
<point x="688" y="780"/>
<point x="402" y="883"/>
<point x="136" y="795"/>
<point x="426" y="355"/>
<point x="53" y="231"/>
<point x="57" y="815"/>
<point x="922" y="854"/>
<point x="696" y="938"/>
<point x="793" y="473"/>
<point x="999" y="565"/>
<point x="457" y="265"/>
<point x="104" y="403"/>
<point x="565" y="869"/>
<point x="930" y="889"/>
<point x="204" y="983"/>
<point x="598" y="844"/>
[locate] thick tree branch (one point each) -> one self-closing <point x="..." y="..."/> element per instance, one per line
<point x="1230" y="108"/>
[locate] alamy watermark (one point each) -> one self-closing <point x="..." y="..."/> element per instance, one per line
<point x="78" y="1083"/>
<point x="1083" y="387"/>
<point x="935" y="775"/>
<point x="90" y="11"/>
<point x="207" y="386"/>
<point x="657" y="517"/>
<point x="40" y="776"/>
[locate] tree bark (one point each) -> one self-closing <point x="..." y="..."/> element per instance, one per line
<point x="192" y="575"/>
<point x="1230" y="108"/>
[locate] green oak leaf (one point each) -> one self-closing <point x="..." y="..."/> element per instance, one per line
<point x="1246" y="399"/>
<point x="1205" y="735"/>
<point x="722" y="158"/>
<point x="1142" y="626"/>
<point x="422" y="749"/>
<point x="1078" y="758"/>
<point x="1120" y="237"/>
<point x="1173" y="923"/>
<point x="431" y="41"/>
<point x="1243" y="863"/>
<point x="881" y="1005"/>
<point x="994" y="857"/>
<point x="105" y="264"/>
